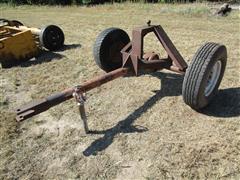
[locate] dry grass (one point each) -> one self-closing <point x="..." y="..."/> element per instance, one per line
<point x="144" y="129"/>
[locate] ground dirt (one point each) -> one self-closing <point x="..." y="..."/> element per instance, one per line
<point x="142" y="128"/>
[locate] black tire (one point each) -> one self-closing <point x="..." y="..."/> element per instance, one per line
<point x="12" y="22"/>
<point x="16" y="23"/>
<point x="208" y="62"/>
<point x="51" y="37"/>
<point x="107" y="48"/>
<point x="7" y="64"/>
<point x="4" y="21"/>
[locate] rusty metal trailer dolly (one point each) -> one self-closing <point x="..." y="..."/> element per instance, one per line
<point x="19" y="43"/>
<point x="118" y="56"/>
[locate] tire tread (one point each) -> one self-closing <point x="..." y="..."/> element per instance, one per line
<point x="195" y="73"/>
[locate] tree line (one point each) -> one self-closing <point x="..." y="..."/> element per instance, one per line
<point x="77" y="2"/>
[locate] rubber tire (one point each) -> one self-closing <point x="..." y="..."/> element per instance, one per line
<point x="12" y="22"/>
<point x="195" y="79"/>
<point x="104" y="43"/>
<point x="4" y="21"/>
<point x="17" y="23"/>
<point x="7" y="64"/>
<point x="46" y="37"/>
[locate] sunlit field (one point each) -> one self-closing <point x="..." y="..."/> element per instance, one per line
<point x="143" y="128"/>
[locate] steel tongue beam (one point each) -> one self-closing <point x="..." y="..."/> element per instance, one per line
<point x="38" y="106"/>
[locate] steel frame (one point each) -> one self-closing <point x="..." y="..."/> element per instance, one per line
<point x="133" y="61"/>
<point x="133" y="52"/>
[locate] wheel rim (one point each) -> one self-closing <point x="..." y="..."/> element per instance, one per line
<point x="54" y="38"/>
<point x="213" y="78"/>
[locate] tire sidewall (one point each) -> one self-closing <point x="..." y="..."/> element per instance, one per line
<point x="17" y="23"/>
<point x="108" y="38"/>
<point x="43" y="37"/>
<point x="111" y="39"/>
<point x="220" y="54"/>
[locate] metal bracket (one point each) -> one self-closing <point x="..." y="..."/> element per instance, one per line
<point x="132" y="53"/>
<point x="81" y="99"/>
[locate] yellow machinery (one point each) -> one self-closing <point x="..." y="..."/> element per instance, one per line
<point x="19" y="43"/>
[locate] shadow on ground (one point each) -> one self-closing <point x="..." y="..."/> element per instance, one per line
<point x="69" y="46"/>
<point x="225" y="104"/>
<point x="171" y="85"/>
<point x="44" y="57"/>
<point x="47" y="56"/>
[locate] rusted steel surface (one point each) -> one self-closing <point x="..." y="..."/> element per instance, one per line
<point x="98" y="81"/>
<point x="133" y="60"/>
<point x="170" y="48"/>
<point x="36" y="107"/>
<point x="133" y="53"/>
<point x="151" y="56"/>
